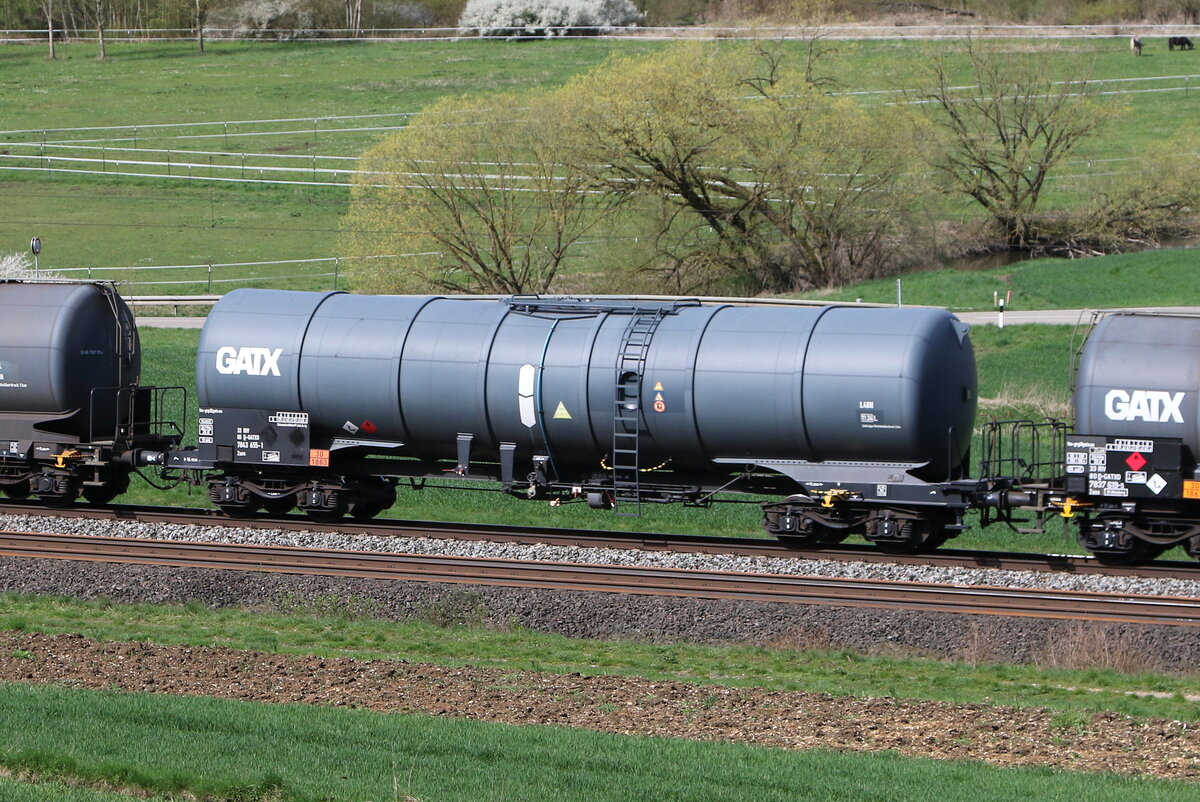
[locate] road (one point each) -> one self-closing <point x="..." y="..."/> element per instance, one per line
<point x="1068" y="317"/>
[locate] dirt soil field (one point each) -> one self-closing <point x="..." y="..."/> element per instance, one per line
<point x="1003" y="736"/>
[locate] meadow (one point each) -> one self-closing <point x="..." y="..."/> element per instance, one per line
<point x="60" y="740"/>
<point x="242" y="752"/>
<point x="1164" y="277"/>
<point x="153" y="118"/>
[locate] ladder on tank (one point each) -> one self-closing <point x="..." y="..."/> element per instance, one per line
<point x="631" y="364"/>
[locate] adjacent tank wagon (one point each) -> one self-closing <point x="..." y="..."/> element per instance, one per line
<point x="852" y="419"/>
<point x="1131" y="463"/>
<point x="73" y="416"/>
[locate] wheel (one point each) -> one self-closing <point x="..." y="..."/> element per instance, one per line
<point x="281" y="505"/>
<point x="1112" y="541"/>
<point x="18" y="491"/>
<point x="330" y="516"/>
<point x="898" y="546"/>
<point x="244" y="509"/>
<point x="114" y="486"/>
<point x="63" y="499"/>
<point x="817" y="535"/>
<point x="914" y="535"/>
<point x="1139" y="552"/>
<point x="371" y="497"/>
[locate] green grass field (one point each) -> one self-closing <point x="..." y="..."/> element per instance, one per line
<point x="240" y="751"/>
<point x="225" y="102"/>
<point x="451" y="634"/>
<point x="1167" y="277"/>
<point x="244" y="751"/>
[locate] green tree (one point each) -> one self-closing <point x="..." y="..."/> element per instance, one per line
<point x="1008" y="130"/>
<point x="1154" y="196"/>
<point x="762" y="176"/>
<point x="469" y="197"/>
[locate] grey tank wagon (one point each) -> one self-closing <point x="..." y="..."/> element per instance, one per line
<point x="74" y="418"/>
<point x="850" y="419"/>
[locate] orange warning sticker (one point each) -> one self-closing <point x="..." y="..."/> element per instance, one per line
<point x="318" y="457"/>
<point x="1191" y="489"/>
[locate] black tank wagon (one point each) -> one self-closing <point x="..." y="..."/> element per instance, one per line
<point x="851" y="419"/>
<point x="73" y="418"/>
<point x="838" y="419"/>
<point x="1131" y="464"/>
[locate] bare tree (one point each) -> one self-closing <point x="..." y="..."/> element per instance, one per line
<point x="354" y="17"/>
<point x="48" y="12"/>
<point x="199" y="17"/>
<point x="469" y="197"/>
<point x="1008" y="132"/>
<point x="99" y="13"/>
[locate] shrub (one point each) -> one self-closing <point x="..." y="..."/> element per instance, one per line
<point x="545" y="17"/>
<point x="16" y="265"/>
<point x="268" y="19"/>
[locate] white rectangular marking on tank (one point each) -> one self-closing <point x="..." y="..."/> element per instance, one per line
<point x="526" y="380"/>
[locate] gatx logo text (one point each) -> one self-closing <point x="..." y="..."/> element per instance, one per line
<point x="1154" y="406"/>
<point x="251" y="360"/>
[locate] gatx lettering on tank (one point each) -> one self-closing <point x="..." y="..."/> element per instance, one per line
<point x="251" y="360"/>
<point x="1153" y="406"/>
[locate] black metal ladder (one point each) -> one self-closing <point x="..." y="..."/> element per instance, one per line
<point x="631" y="364"/>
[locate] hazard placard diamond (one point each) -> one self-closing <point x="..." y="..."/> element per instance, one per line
<point x="1135" y="461"/>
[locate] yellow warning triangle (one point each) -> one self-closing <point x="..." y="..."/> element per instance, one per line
<point x="561" y="413"/>
<point x="658" y="385"/>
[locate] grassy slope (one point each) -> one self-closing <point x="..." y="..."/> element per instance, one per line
<point x="335" y="628"/>
<point x="1165" y="277"/>
<point x="243" y="751"/>
<point x="97" y="222"/>
<point x="101" y="222"/>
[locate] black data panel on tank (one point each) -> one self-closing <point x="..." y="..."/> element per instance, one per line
<point x="254" y="436"/>
<point x="1124" y="467"/>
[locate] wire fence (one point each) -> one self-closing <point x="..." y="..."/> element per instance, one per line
<point x="211" y="277"/>
<point x="177" y="152"/>
<point x="960" y="28"/>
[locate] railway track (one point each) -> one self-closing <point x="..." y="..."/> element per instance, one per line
<point x="841" y="592"/>
<point x="752" y="547"/>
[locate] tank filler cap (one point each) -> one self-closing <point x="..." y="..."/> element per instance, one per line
<point x="961" y="329"/>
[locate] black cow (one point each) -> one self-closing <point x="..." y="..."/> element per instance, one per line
<point x="1182" y="42"/>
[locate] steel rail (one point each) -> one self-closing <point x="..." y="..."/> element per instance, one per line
<point x="984" y="600"/>
<point x="747" y="547"/>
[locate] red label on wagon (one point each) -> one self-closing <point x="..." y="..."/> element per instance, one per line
<point x="1135" y="461"/>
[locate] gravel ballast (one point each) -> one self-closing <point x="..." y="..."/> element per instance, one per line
<point x="1048" y="580"/>
<point x="602" y="615"/>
